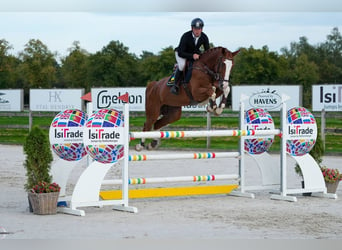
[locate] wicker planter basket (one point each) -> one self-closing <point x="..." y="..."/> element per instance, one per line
<point x="332" y="187"/>
<point x="44" y="203"/>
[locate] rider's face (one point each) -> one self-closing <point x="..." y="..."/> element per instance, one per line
<point x="197" y="32"/>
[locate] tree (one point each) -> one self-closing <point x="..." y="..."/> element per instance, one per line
<point x="8" y="64"/>
<point x="305" y="73"/>
<point x="155" y="67"/>
<point x="333" y="49"/>
<point x="255" y="66"/>
<point x="75" y="68"/>
<point x="38" y="68"/>
<point x="113" y="66"/>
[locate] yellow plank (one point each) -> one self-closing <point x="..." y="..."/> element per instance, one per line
<point x="168" y="192"/>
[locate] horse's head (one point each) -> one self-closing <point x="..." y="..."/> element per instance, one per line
<point x="220" y="62"/>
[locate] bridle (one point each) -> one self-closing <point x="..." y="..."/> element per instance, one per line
<point x="215" y="74"/>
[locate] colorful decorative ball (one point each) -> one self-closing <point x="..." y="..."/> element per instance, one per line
<point x="69" y="119"/>
<point x="302" y="128"/>
<point x="105" y="118"/>
<point x="257" y="119"/>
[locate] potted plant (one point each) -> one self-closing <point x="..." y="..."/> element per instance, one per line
<point x="42" y="194"/>
<point x="332" y="177"/>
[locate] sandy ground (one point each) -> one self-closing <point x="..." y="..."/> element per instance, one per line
<point x="205" y="217"/>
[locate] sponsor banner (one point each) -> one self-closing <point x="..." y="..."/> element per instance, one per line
<point x="267" y="97"/>
<point x="104" y="136"/>
<point x="195" y="108"/>
<point x="11" y="100"/>
<point x="327" y="97"/>
<point x="109" y="98"/>
<point x="55" y="99"/>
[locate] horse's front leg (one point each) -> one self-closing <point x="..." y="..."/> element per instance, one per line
<point x="212" y="101"/>
<point x="222" y="105"/>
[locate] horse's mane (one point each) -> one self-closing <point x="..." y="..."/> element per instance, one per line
<point x="222" y="50"/>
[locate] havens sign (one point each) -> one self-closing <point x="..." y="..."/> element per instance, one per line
<point x="266" y="97"/>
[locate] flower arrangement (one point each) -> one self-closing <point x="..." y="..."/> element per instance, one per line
<point x="44" y="187"/>
<point x="331" y="175"/>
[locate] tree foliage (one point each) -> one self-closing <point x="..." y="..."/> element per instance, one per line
<point x="38" y="67"/>
<point x="38" y="158"/>
<point x="301" y="63"/>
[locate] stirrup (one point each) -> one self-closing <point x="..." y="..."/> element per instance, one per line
<point x="174" y="89"/>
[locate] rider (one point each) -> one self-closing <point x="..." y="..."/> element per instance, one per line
<point x="189" y="49"/>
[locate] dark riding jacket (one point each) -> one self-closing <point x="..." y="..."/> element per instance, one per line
<point x="187" y="48"/>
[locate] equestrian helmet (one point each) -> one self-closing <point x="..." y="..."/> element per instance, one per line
<point x="197" y="23"/>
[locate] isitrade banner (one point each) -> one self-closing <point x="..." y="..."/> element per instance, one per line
<point x="268" y="97"/>
<point x="327" y="97"/>
<point x="11" y="100"/>
<point x="55" y="99"/>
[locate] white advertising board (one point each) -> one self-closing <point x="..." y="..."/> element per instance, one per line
<point x="11" y="100"/>
<point x="267" y="97"/>
<point x="55" y="99"/>
<point x="327" y="97"/>
<point x="109" y="98"/>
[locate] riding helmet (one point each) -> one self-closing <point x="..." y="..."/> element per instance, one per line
<point x="197" y="23"/>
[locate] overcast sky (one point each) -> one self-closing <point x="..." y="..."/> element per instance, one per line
<point x="154" y="30"/>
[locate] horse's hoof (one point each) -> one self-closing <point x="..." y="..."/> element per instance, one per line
<point x="139" y="147"/>
<point x="218" y="111"/>
<point x="210" y="110"/>
<point x="150" y="147"/>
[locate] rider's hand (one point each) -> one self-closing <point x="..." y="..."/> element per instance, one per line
<point x="195" y="56"/>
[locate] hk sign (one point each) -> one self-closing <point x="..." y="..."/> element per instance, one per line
<point x="55" y="99"/>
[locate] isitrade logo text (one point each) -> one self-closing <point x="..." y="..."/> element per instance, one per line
<point x="259" y="127"/>
<point x="302" y="131"/>
<point x="66" y="134"/>
<point x="103" y="134"/>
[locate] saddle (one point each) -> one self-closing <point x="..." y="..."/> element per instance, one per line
<point x="184" y="78"/>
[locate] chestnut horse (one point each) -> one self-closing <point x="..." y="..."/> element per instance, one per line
<point x="209" y="80"/>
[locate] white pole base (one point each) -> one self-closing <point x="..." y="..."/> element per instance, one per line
<point x="242" y="194"/>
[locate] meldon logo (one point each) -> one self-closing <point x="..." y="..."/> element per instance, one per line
<point x="105" y="100"/>
<point x="266" y="99"/>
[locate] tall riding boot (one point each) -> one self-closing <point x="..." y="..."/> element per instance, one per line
<point x="175" y="87"/>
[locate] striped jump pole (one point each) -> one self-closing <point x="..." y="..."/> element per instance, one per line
<point x="204" y="133"/>
<point x="151" y="180"/>
<point x="198" y="156"/>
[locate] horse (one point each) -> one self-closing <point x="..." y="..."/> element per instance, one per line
<point x="209" y="80"/>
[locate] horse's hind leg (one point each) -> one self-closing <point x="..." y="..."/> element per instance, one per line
<point x="169" y="115"/>
<point x="151" y="118"/>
